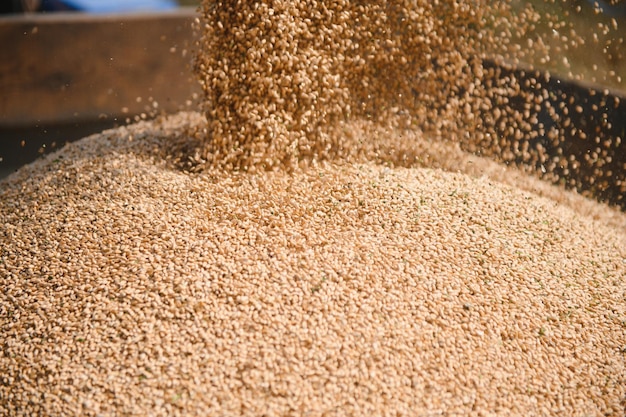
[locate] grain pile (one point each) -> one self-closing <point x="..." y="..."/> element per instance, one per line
<point x="326" y="257"/>
<point x="132" y="288"/>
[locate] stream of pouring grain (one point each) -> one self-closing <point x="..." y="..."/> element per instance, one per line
<point x="281" y="77"/>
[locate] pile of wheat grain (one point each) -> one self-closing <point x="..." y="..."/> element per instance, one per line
<point x="306" y="249"/>
<point x="130" y="287"/>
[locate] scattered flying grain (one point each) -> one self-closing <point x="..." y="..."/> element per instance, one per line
<point x="280" y="78"/>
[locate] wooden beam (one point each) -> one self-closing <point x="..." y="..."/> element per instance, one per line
<point x="72" y="67"/>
